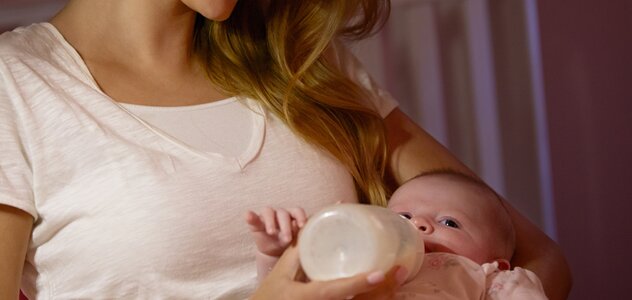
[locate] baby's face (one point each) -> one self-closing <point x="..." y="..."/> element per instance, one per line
<point x="451" y="215"/>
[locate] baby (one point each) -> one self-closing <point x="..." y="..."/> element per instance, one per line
<point x="468" y="236"/>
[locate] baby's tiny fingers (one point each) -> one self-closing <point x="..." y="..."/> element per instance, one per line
<point x="254" y="221"/>
<point x="285" y="224"/>
<point x="269" y="218"/>
<point x="299" y="215"/>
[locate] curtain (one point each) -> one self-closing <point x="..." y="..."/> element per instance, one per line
<point x="467" y="71"/>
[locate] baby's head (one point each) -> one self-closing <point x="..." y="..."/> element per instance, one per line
<point x="458" y="214"/>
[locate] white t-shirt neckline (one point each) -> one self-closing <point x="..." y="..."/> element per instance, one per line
<point x="240" y="160"/>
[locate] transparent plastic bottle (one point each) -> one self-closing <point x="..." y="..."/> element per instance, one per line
<point x="343" y="240"/>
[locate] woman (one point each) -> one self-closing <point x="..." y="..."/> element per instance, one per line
<point x="135" y="133"/>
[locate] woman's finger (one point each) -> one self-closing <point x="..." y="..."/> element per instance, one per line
<point x="345" y="287"/>
<point x="288" y="265"/>
<point x="281" y="283"/>
<point x="386" y="289"/>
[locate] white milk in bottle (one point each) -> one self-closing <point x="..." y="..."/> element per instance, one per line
<point x="343" y="240"/>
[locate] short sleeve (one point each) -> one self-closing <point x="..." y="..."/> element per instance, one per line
<point x="16" y="176"/>
<point x="349" y="64"/>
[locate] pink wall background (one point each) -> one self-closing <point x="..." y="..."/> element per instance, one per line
<point x="587" y="60"/>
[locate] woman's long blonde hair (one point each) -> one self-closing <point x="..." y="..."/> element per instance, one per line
<point x="274" y="51"/>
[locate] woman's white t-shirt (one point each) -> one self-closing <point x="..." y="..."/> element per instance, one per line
<point x="123" y="209"/>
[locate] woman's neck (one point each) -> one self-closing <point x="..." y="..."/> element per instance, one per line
<point x="138" y="51"/>
<point x="137" y="31"/>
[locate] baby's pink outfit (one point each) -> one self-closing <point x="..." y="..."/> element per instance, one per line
<point x="449" y="276"/>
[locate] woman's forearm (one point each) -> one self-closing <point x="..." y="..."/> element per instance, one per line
<point x="537" y="252"/>
<point x="412" y="151"/>
<point x="15" y="230"/>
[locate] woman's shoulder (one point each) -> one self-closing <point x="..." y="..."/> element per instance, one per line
<point x="35" y="52"/>
<point x="35" y="41"/>
<point x="344" y="59"/>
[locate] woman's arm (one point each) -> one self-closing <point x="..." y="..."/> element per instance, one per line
<point x="538" y="253"/>
<point x="15" y="230"/>
<point x="412" y="150"/>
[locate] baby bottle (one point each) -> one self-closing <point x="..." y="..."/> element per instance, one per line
<point x="343" y="240"/>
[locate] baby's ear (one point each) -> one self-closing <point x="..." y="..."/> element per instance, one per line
<point x="503" y="264"/>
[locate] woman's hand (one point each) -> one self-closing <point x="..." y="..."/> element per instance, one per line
<point x="281" y="283"/>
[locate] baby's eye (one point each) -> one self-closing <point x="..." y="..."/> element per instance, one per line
<point x="450" y="223"/>
<point x="406" y="215"/>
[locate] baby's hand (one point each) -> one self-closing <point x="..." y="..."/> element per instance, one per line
<point x="274" y="229"/>
<point x="518" y="283"/>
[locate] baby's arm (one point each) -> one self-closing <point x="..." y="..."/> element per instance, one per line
<point x="273" y="230"/>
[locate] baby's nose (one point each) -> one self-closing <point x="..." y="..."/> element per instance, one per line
<point x="423" y="225"/>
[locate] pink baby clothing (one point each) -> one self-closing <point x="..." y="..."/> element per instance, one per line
<point x="448" y="276"/>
